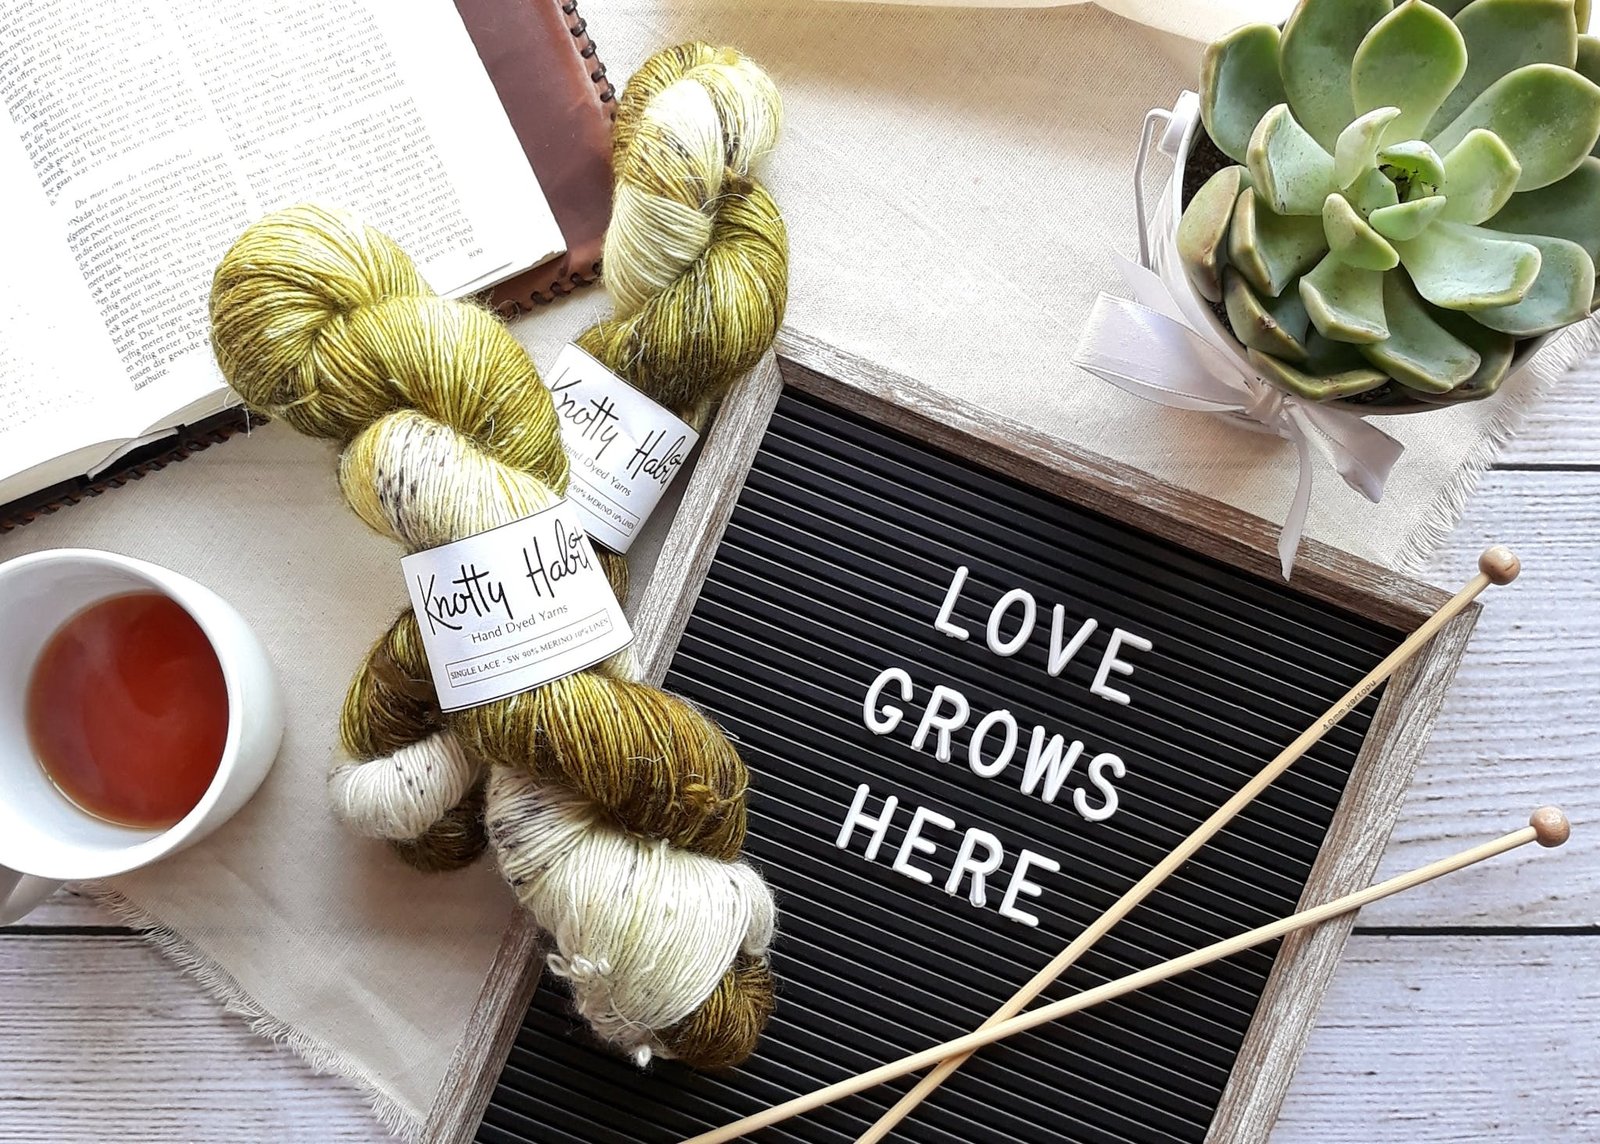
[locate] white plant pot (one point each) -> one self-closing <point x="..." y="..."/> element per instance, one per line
<point x="1160" y="243"/>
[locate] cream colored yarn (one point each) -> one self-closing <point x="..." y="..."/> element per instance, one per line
<point x="615" y="811"/>
<point x="448" y="432"/>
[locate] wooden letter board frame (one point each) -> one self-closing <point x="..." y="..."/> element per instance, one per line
<point x="1367" y="811"/>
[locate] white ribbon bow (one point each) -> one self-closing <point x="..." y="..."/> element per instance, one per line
<point x="1148" y="347"/>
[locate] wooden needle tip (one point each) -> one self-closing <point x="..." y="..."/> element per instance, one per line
<point x="1550" y="826"/>
<point x="1500" y="564"/>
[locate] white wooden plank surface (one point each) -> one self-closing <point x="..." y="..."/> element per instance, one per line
<point x="1565" y="428"/>
<point x="1452" y="1038"/>
<point x="1422" y="1038"/>
<point x="1467" y="1032"/>
<point x="103" y="1040"/>
<point x="1522" y="723"/>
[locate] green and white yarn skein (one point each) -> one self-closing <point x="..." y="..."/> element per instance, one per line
<point x="616" y="811"/>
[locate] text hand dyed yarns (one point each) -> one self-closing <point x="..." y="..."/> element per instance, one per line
<point x="616" y="811"/>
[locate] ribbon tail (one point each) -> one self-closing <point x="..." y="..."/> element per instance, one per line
<point x="1294" y="525"/>
<point x="1363" y="454"/>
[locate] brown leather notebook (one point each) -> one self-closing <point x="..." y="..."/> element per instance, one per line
<point x="548" y="75"/>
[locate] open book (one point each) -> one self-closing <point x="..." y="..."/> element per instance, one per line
<point x="140" y="138"/>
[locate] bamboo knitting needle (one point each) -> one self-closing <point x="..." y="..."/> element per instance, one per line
<point x="1548" y="826"/>
<point x="1497" y="565"/>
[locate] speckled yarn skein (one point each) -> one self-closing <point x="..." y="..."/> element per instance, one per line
<point x="696" y="256"/>
<point x="616" y="811"/>
<point x="696" y="263"/>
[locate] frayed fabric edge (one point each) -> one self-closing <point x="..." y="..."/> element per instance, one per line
<point x="1439" y="520"/>
<point x="219" y="984"/>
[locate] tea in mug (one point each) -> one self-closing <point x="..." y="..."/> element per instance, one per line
<point x="127" y="710"/>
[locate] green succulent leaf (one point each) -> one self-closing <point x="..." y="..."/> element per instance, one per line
<point x="1345" y="302"/>
<point x="1569" y="209"/>
<point x="1504" y="35"/>
<point x="1356" y="151"/>
<point x="1464" y="267"/>
<point x="1239" y="83"/>
<point x="1406" y="220"/>
<point x="1314" y="387"/>
<point x="1480" y="176"/>
<point x="1588" y="62"/>
<point x="1371" y="192"/>
<point x="1288" y="167"/>
<point x="1419" y="353"/>
<point x="1318" y="46"/>
<point x="1353" y="239"/>
<point x="1411" y="59"/>
<point x="1272" y="250"/>
<point x="1561" y="294"/>
<point x="1276" y="326"/>
<point x="1414" y="167"/>
<point x="1588" y="65"/>
<point x="1495" y="351"/>
<point x="1203" y="230"/>
<point x="1548" y="116"/>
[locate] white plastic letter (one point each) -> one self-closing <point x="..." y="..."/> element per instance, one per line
<point x="1109" y="663"/>
<point x="1030" y="613"/>
<point x="915" y="843"/>
<point x="879" y="826"/>
<point x="979" y="868"/>
<point x="942" y="622"/>
<point x="1097" y="767"/>
<point x="1045" y="762"/>
<point x="988" y="770"/>
<point x="890" y="719"/>
<point x="1021" y="885"/>
<point x="933" y="717"/>
<point x="1061" y="656"/>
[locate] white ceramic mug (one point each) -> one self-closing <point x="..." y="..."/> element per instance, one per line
<point x="45" y="839"/>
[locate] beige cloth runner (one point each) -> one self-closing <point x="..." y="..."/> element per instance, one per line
<point x="956" y="183"/>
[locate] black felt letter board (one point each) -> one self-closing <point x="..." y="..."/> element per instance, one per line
<point x="836" y="563"/>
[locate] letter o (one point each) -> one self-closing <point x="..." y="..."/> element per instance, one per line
<point x="988" y="770"/>
<point x="1030" y="614"/>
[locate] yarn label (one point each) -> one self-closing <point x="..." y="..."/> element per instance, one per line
<point x="513" y="608"/>
<point x="624" y="448"/>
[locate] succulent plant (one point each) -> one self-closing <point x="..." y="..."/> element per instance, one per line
<point x="1413" y="191"/>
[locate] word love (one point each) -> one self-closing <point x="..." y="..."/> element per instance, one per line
<point x="1019" y="602"/>
<point x="477" y="594"/>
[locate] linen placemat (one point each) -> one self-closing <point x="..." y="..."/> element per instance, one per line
<point x="955" y="183"/>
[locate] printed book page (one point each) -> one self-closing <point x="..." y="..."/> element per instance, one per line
<point x="140" y="138"/>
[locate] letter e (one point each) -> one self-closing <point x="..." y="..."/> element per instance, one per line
<point x="1109" y="663"/>
<point x="915" y="843"/>
<point x="1021" y="885"/>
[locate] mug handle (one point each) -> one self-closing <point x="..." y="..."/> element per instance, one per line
<point x="19" y="893"/>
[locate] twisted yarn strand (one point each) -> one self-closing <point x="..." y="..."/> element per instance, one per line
<point x="631" y="859"/>
<point x="696" y="256"/>
<point x="616" y="811"/>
